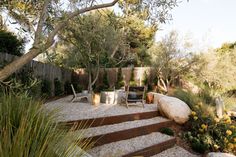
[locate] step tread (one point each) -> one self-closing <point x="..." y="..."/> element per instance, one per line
<point x="175" y="151"/>
<point x="120" y="148"/>
<point x="79" y="111"/>
<point x="105" y="129"/>
<point x="113" y="119"/>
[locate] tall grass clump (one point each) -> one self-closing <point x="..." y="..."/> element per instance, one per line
<point x="28" y="130"/>
<point x="189" y="98"/>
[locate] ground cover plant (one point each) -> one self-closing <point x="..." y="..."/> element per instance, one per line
<point x="204" y="130"/>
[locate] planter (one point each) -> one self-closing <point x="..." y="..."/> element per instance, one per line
<point x="108" y="97"/>
<point x="149" y="98"/>
<point x="96" y="99"/>
<point x="85" y="91"/>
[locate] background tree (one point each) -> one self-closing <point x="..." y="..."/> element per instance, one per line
<point x="9" y="43"/>
<point x="169" y="61"/>
<point x="138" y="31"/>
<point x="217" y="69"/>
<point x="52" y="16"/>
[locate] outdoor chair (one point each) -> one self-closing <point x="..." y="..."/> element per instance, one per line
<point x="78" y="96"/>
<point x="135" y="94"/>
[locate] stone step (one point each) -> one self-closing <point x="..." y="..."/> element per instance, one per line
<point x="146" y="145"/>
<point x="176" y="151"/>
<point x="94" y="122"/>
<point x="126" y="130"/>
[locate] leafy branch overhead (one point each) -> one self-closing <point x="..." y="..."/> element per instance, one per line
<point x="44" y="19"/>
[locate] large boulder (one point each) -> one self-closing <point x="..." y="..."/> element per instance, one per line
<point x="218" y="154"/>
<point x="156" y="97"/>
<point x="174" y="108"/>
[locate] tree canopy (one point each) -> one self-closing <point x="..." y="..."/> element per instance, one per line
<point x="50" y="16"/>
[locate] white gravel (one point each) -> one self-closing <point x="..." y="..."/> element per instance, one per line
<point x="117" y="149"/>
<point x="94" y="131"/>
<point x="176" y="151"/>
<point x="78" y="110"/>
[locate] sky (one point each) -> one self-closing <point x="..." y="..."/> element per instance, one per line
<point x="205" y="23"/>
<point x="208" y="23"/>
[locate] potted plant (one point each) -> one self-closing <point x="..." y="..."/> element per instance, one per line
<point x="95" y="99"/>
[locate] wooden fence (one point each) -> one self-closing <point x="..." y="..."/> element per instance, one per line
<point x="42" y="71"/>
<point x="50" y="73"/>
<point x="112" y="73"/>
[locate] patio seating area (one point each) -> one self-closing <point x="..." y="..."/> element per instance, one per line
<point x="69" y="111"/>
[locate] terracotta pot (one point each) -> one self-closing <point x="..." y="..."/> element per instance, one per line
<point x="149" y="98"/>
<point x="95" y="99"/>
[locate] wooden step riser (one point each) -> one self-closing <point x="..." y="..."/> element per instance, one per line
<point x="153" y="150"/>
<point x="111" y="120"/>
<point x="129" y="133"/>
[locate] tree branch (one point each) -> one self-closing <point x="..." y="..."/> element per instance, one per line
<point x="71" y="16"/>
<point x="40" y="24"/>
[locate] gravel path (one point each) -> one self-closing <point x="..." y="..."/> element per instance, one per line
<point x="120" y="126"/>
<point x="117" y="149"/>
<point x="78" y="110"/>
<point x="176" y="151"/>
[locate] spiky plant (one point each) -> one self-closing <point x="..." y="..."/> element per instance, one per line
<point x="28" y="130"/>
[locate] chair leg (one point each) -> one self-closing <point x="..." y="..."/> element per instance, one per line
<point x="143" y="104"/>
<point x="127" y="105"/>
<point x="73" y="99"/>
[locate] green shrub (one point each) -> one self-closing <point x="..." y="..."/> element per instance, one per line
<point x="46" y="87"/>
<point x="105" y="80"/>
<point x="167" y="131"/>
<point x="186" y="96"/>
<point x="199" y="147"/>
<point x="24" y="80"/>
<point x="58" y="87"/>
<point x="99" y="88"/>
<point x="132" y="81"/>
<point x="206" y="132"/>
<point x="10" y="44"/>
<point x="35" y="91"/>
<point x="67" y="88"/>
<point x="145" y="79"/>
<point x="79" y="88"/>
<point x="28" y="130"/>
<point x="120" y="81"/>
<point x="206" y="95"/>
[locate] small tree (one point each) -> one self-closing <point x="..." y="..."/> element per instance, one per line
<point x="169" y="62"/>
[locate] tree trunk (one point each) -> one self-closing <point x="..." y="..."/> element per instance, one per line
<point x="163" y="86"/>
<point x="90" y="89"/>
<point x="18" y="63"/>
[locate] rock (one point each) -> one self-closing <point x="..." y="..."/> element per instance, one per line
<point x="174" y="108"/>
<point x="157" y="97"/>
<point x="218" y="154"/>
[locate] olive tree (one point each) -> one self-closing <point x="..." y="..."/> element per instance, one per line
<point x="46" y="18"/>
<point x="169" y="61"/>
